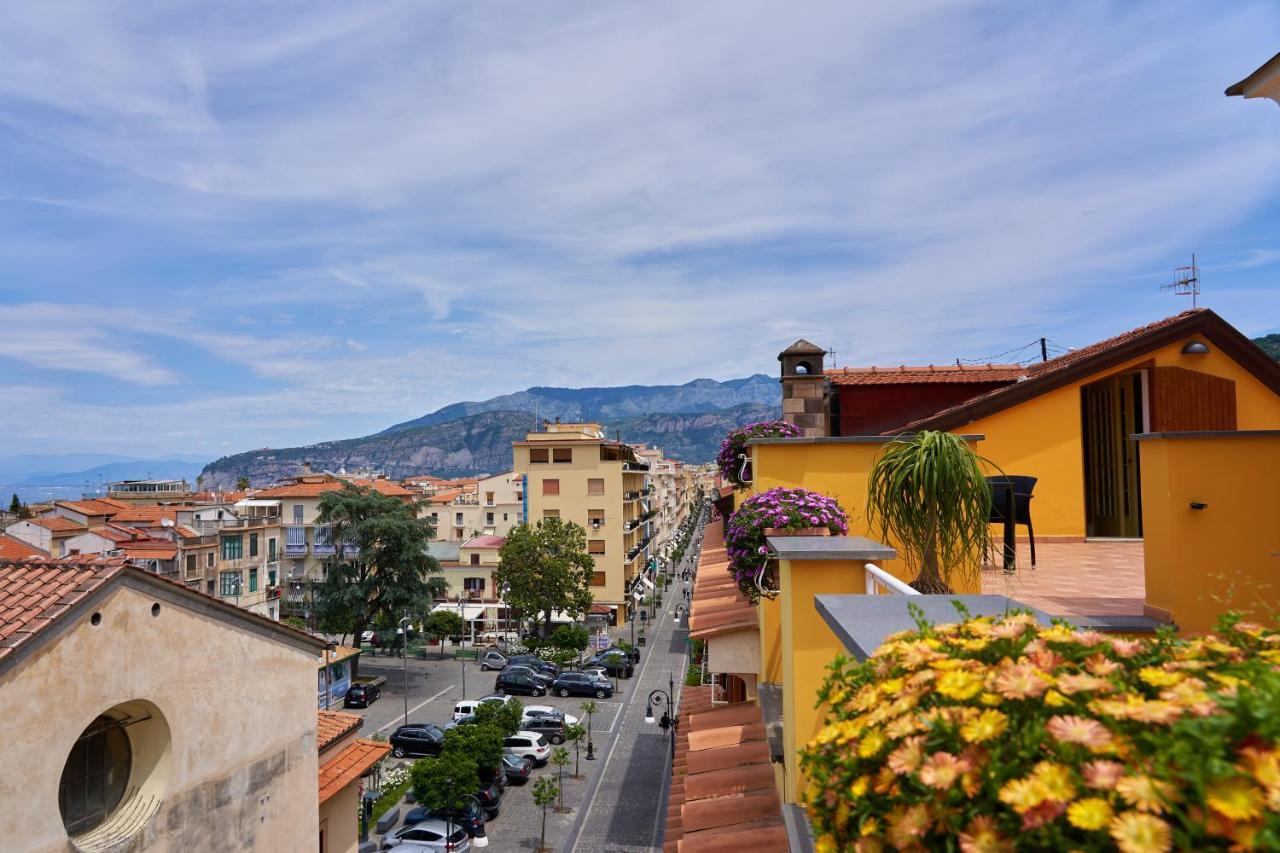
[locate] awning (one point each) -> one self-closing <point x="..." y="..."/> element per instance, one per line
<point x="470" y="612"/>
<point x="256" y="502"/>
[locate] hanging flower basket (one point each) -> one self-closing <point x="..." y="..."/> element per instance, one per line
<point x="777" y="512"/>
<point x="733" y="450"/>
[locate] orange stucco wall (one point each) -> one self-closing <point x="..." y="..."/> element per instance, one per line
<point x="1201" y="563"/>
<point x="1042" y="436"/>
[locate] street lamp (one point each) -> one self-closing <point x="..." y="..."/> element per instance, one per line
<point x="404" y="658"/>
<point x="462" y="642"/>
<point x="328" y="674"/>
<point x="668" y="721"/>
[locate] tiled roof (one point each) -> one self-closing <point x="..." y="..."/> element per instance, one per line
<point x="928" y="374"/>
<point x="723" y="796"/>
<point x="91" y="507"/>
<point x="36" y="591"/>
<point x="339" y="654"/>
<point x="58" y="524"/>
<point x="332" y="726"/>
<point x="218" y="497"/>
<point x="187" y="532"/>
<point x="150" y="549"/>
<point x="117" y="534"/>
<point x="314" y="489"/>
<point x="485" y="543"/>
<point x="444" y="497"/>
<point x="349" y="765"/>
<point x="146" y="514"/>
<point x="718" y="606"/>
<point x="16" y="549"/>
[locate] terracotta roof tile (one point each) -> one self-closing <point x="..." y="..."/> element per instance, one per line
<point x="332" y="726"/>
<point x="16" y="549"/>
<point x="36" y="590"/>
<point x="349" y="765"/>
<point x="717" y="605"/>
<point x="486" y="543"/>
<point x="314" y="489"/>
<point x="58" y="524"/>
<point x="340" y="653"/>
<point x="146" y="514"/>
<point x="445" y="496"/>
<point x="927" y="375"/>
<point x="91" y="506"/>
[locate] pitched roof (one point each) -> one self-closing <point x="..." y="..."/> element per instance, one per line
<point x="146" y="514"/>
<point x="315" y="488"/>
<point x="723" y="796"/>
<point x="1241" y="88"/>
<point x="58" y="524"/>
<point x="340" y="653"/>
<point x="1081" y="363"/>
<point x="91" y="507"/>
<point x="34" y="592"/>
<point x="349" y="765"/>
<point x="149" y="549"/>
<point x="332" y="726"/>
<point x="444" y="497"/>
<point x="485" y="543"/>
<point x="927" y="374"/>
<point x="802" y="347"/>
<point x="16" y="549"/>
<point x="718" y="606"/>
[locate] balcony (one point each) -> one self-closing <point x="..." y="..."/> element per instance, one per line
<point x="630" y="496"/>
<point x="635" y="466"/>
<point x="213" y="526"/>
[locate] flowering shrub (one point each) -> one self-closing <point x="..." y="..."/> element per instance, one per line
<point x="992" y="734"/>
<point x="791" y="509"/>
<point x="735" y="445"/>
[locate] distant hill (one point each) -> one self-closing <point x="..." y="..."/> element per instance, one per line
<point x="1270" y="345"/>
<point x="686" y="421"/>
<point x="157" y="469"/>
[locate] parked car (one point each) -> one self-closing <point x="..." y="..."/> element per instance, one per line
<point x="518" y="769"/>
<point x="490" y="799"/>
<point x="417" y="739"/>
<point x="429" y="835"/>
<point x="466" y="707"/>
<point x="550" y="727"/>
<point x="581" y="684"/>
<point x="615" y="662"/>
<point x="518" y="682"/>
<point x="369" y="638"/>
<point x="493" y="776"/>
<point x="595" y="670"/>
<point x="530" y="745"/>
<point x="534" y="710"/>
<point x="361" y="695"/>
<point x="534" y="662"/>
<point x="492" y="659"/>
<point x="470" y="816"/>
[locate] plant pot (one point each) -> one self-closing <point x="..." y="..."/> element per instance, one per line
<point x="798" y="531"/>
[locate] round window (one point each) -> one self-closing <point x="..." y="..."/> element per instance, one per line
<point x="95" y="776"/>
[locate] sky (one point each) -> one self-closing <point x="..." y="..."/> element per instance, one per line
<point x="226" y="226"/>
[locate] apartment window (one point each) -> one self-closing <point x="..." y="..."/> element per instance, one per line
<point x="191" y="564"/>
<point x="488" y="518"/>
<point x="538" y="454"/>
<point x="296" y="536"/>
<point x="598" y="579"/>
<point x="475" y="559"/>
<point x="271" y="550"/>
<point x="504" y="517"/>
<point x="229" y="583"/>
<point x="253" y="544"/>
<point x="297" y="513"/>
<point x="488" y="498"/>
<point x="550" y="487"/>
<point x="562" y="454"/>
<point x="473" y="584"/>
<point x="232" y="547"/>
<point x="209" y="562"/>
<point x="271" y="577"/>
<point x="253" y="580"/>
<point x="595" y="546"/>
<point x="595" y="518"/>
<point x="595" y="486"/>
<point x="435" y="518"/>
<point x="551" y="513"/>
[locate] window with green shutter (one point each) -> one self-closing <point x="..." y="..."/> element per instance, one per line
<point x="253" y="580"/>
<point x="232" y="547"/>
<point x="253" y="544"/>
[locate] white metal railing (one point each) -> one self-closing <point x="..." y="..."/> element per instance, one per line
<point x="878" y="578"/>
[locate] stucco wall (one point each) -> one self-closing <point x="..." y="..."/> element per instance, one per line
<point x="342" y="826"/>
<point x="240" y="709"/>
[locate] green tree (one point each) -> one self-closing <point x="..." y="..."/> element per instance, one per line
<point x="576" y="733"/>
<point x="380" y="566"/>
<point x="441" y="624"/>
<point x="572" y="637"/>
<point x="560" y="757"/>
<point x="503" y="716"/>
<point x="928" y="496"/>
<point x="441" y="782"/>
<point x="15" y="505"/>
<point x="547" y="569"/>
<point x="481" y="743"/>
<point x="242" y="483"/>
<point x="545" y="791"/>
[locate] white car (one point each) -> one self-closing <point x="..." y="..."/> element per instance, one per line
<point x="467" y="707"/>
<point x="543" y="710"/>
<point x="530" y="745"/>
<point x="429" y="835"/>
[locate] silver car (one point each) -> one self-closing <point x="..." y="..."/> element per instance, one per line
<point x="429" y="835"/>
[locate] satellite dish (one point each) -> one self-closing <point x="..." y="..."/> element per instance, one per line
<point x="166" y="522"/>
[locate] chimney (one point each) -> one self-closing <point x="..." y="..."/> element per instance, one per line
<point x="804" y="385"/>
<point x="306" y="467"/>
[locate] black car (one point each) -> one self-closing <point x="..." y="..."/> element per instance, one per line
<point x="518" y="769"/>
<point x="537" y="674"/>
<point x="580" y="684"/>
<point x="490" y="799"/>
<point x="493" y="776"/>
<point x="361" y="695"/>
<point x="550" y="726"/>
<point x="417" y="739"/>
<point x="615" y="662"/>
<point x="534" y="662"/>
<point x="519" y="683"/>
<point x="470" y="817"/>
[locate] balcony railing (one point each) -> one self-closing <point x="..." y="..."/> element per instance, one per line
<point x="878" y="578"/>
<point x="631" y="496"/>
<point x="635" y="466"/>
<point x="214" y="525"/>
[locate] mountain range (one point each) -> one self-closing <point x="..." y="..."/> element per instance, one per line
<point x="687" y="421"/>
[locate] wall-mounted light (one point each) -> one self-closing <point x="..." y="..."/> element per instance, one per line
<point x="1199" y="505"/>
<point x="1194" y="348"/>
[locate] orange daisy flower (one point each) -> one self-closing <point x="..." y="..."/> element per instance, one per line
<point x="1102" y="775"/>
<point x="981" y="836"/>
<point x="1020" y="681"/>
<point x="1135" y="832"/>
<point x="941" y="770"/>
<point x="1081" y="730"/>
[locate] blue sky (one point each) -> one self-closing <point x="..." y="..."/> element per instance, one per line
<point x="227" y="226"/>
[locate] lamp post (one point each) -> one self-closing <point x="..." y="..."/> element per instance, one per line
<point x="404" y="659"/>
<point x="462" y="642"/>
<point x="506" y="627"/>
<point x="328" y="674"/>
<point x="668" y="721"/>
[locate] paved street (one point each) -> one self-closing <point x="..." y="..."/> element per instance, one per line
<point x="620" y="803"/>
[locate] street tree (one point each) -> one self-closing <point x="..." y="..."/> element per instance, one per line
<point x="441" y="624"/>
<point x="545" y="791"/>
<point x="504" y="716"/>
<point x="242" y="483"/>
<point x="560" y="757"/>
<point x="15" y="505"/>
<point x="576" y="733"/>
<point x="547" y="568"/>
<point x="480" y="742"/>
<point x="380" y="565"/>
<point x="590" y="709"/>
<point x="441" y="782"/>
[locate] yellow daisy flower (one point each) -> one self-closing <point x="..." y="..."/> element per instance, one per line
<point x="1237" y="799"/>
<point x="1056" y="779"/>
<point x="1157" y="677"/>
<point x="959" y="685"/>
<point x="1022" y="795"/>
<point x="1092" y="813"/>
<point x="1135" y="832"/>
<point x="1146" y="794"/>
<point x="871" y="744"/>
<point x="984" y="727"/>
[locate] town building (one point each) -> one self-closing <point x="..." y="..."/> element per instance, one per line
<point x="149" y="491"/>
<point x="345" y="760"/>
<point x="572" y="472"/>
<point x="1264" y="82"/>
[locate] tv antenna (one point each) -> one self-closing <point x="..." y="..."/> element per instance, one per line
<point x="1186" y="281"/>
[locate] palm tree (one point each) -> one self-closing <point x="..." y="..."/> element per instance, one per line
<point x="928" y="496"/>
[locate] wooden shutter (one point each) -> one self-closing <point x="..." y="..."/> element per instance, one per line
<point x="1188" y="400"/>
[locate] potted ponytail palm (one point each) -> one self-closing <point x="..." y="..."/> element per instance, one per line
<point x="928" y="496"/>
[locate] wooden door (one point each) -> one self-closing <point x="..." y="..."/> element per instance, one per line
<point x="1112" y="411"/>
